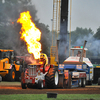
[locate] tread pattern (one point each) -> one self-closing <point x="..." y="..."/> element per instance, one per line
<point x="9" y="76"/>
<point x="99" y="81"/>
<point x="50" y="78"/>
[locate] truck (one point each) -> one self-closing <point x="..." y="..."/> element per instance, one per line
<point x="10" y="69"/>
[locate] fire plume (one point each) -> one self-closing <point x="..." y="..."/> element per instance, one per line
<point x="30" y="34"/>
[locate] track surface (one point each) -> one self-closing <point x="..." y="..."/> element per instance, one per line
<point x="15" y="88"/>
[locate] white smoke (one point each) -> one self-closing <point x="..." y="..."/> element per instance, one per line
<point x="93" y="45"/>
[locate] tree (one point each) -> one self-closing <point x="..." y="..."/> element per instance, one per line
<point x="97" y="35"/>
<point x="9" y="28"/>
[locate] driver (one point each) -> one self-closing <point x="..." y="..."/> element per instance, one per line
<point x="42" y="61"/>
<point x="78" y="54"/>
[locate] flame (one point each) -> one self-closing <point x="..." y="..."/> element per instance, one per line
<point x="30" y="34"/>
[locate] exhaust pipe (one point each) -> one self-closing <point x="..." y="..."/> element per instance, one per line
<point x="82" y="54"/>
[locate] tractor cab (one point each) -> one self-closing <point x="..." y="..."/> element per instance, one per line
<point x="77" y="54"/>
<point x="77" y="51"/>
<point x="7" y="54"/>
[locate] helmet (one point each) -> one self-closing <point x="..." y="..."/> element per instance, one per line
<point x="41" y="56"/>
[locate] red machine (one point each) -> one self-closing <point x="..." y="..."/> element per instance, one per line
<point x="35" y="73"/>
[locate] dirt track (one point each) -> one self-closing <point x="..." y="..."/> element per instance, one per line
<point x="16" y="89"/>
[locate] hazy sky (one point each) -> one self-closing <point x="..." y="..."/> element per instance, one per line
<point x="85" y="13"/>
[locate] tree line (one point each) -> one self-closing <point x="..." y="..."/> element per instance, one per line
<point x="10" y="37"/>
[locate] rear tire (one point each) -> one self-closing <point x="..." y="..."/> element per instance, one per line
<point x="61" y="81"/>
<point x="40" y="84"/>
<point x="83" y="82"/>
<point x="52" y="78"/>
<point x="99" y="81"/>
<point x="89" y="83"/>
<point x="80" y="82"/>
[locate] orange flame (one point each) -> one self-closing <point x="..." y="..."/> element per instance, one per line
<point x="30" y="34"/>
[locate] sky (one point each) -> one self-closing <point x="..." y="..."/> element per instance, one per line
<point x="85" y="13"/>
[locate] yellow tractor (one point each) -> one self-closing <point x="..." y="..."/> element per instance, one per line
<point x="9" y="68"/>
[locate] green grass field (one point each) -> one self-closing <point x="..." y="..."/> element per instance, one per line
<point x="44" y="97"/>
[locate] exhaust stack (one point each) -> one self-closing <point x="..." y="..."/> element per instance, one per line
<point x="82" y="54"/>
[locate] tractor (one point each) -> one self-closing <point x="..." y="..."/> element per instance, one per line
<point x="37" y="74"/>
<point x="10" y="69"/>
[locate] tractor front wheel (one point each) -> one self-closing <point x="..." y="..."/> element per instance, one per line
<point x="11" y="75"/>
<point x="40" y="84"/>
<point x="23" y="85"/>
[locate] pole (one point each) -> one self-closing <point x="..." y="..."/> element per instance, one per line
<point x="70" y="27"/>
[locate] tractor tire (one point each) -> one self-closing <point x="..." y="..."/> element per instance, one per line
<point x="40" y="84"/>
<point x="11" y="75"/>
<point x="29" y="85"/>
<point x="83" y="82"/>
<point x="89" y="83"/>
<point x="52" y="78"/>
<point x="23" y="85"/>
<point x="99" y="81"/>
<point x="0" y="78"/>
<point x="80" y="83"/>
<point x="61" y="81"/>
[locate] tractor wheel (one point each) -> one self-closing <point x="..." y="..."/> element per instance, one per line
<point x="83" y="82"/>
<point x="40" y="84"/>
<point x="23" y="85"/>
<point x="52" y="78"/>
<point x="29" y="85"/>
<point x="11" y="75"/>
<point x="0" y="78"/>
<point x="80" y="82"/>
<point x="99" y="81"/>
<point x="89" y="83"/>
<point x="61" y="81"/>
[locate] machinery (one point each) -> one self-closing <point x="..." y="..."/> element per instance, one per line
<point x="88" y="67"/>
<point x="34" y="74"/>
<point x="73" y="72"/>
<point x="9" y="68"/>
<point x="96" y="70"/>
<point x="96" y="74"/>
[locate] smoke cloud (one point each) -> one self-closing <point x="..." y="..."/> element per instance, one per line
<point x="93" y="45"/>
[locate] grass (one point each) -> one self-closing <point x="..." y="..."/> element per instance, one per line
<point x="44" y="97"/>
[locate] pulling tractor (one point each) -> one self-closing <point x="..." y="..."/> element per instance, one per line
<point x="79" y="67"/>
<point x="10" y="69"/>
<point x="37" y="74"/>
<point x="75" y="71"/>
